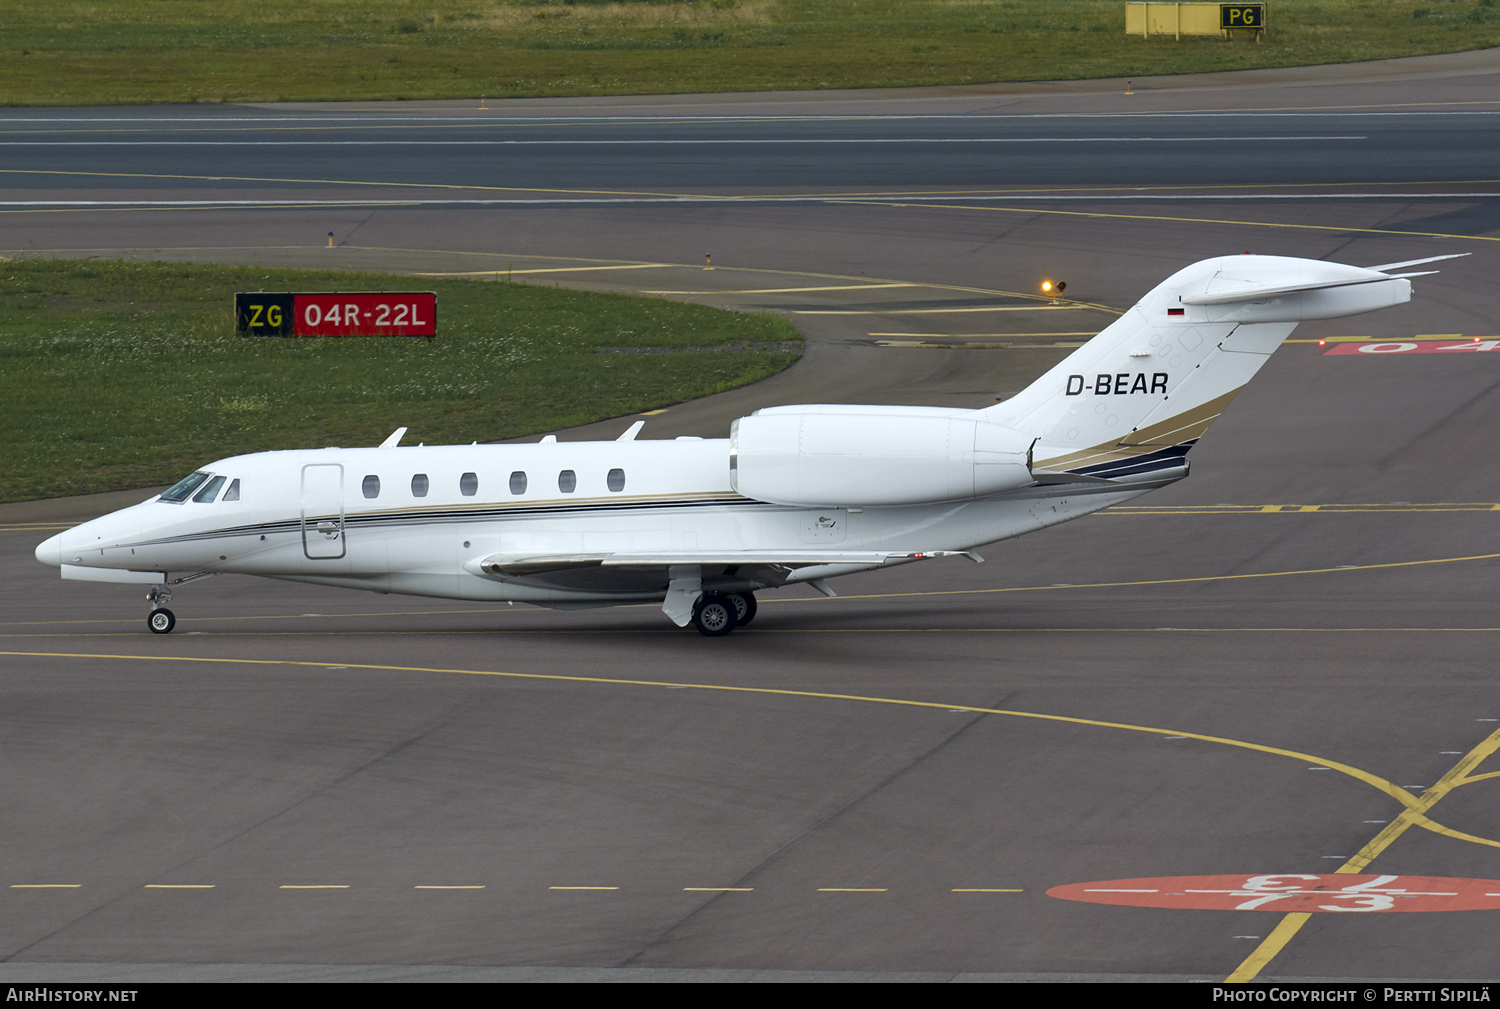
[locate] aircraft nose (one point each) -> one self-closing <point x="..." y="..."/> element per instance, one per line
<point x="50" y="551"/>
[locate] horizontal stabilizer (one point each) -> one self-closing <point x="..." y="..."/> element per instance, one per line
<point x="1258" y="292"/>
<point x="1383" y="267"/>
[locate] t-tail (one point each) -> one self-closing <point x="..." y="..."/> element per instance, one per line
<point x="1129" y="404"/>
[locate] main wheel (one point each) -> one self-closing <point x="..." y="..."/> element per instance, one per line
<point x="744" y="605"/>
<point x="161" y="621"/>
<point x="715" y="616"/>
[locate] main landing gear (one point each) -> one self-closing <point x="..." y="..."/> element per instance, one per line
<point x="161" y="620"/>
<point x="717" y="615"/>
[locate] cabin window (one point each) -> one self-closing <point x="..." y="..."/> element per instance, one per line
<point x="468" y="484"/>
<point x="616" y="480"/>
<point x="518" y="482"/>
<point x="179" y="491"/>
<point x="419" y="485"/>
<point x="209" y="492"/>
<point x="371" y="486"/>
<point x="233" y="493"/>
<point x="567" y="481"/>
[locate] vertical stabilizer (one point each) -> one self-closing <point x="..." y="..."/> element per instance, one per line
<point x="1132" y="401"/>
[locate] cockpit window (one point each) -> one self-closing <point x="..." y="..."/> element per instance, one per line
<point x="209" y="492"/>
<point x="233" y="493"/>
<point x="179" y="491"/>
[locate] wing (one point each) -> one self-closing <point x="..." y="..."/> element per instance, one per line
<point x="679" y="578"/>
<point x="509" y="566"/>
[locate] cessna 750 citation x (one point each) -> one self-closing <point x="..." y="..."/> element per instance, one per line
<point x="795" y="494"/>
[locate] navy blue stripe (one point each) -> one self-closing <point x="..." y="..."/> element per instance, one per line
<point x="1164" y="458"/>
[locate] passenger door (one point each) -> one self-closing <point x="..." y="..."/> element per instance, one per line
<point x="323" y="511"/>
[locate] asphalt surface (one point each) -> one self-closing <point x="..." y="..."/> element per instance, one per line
<point x="479" y="149"/>
<point x="1239" y="676"/>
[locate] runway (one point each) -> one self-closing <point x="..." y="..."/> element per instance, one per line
<point x="1282" y="665"/>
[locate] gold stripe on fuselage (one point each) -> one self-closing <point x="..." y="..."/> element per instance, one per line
<point x="1186" y="426"/>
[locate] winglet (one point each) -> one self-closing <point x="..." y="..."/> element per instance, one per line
<point x="632" y="431"/>
<point x="394" y="439"/>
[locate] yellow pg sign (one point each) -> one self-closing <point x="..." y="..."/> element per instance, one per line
<point x="1242" y="16"/>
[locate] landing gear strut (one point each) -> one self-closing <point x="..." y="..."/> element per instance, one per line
<point x="715" y="616"/>
<point x="161" y="620"/>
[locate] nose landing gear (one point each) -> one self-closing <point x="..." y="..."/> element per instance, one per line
<point x="161" y="620"/>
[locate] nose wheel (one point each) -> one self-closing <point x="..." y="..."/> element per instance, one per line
<point x="161" y="621"/>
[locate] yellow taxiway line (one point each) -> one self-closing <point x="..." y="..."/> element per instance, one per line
<point x="1290" y="925"/>
<point x="1414" y="812"/>
<point x="1415" y="808"/>
<point x="1058" y="587"/>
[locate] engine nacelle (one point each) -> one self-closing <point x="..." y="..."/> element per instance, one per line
<point x="829" y="456"/>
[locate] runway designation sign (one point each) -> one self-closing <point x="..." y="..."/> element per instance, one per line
<point x="1314" y="892"/>
<point x="412" y="313"/>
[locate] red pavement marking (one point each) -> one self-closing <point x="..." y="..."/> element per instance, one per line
<point x="1285" y="892"/>
<point x="1414" y="347"/>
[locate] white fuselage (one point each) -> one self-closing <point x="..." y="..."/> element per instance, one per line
<point x="316" y="516"/>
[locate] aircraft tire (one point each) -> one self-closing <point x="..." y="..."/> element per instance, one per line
<point x="744" y="604"/>
<point x="161" y="621"/>
<point x="715" y="616"/>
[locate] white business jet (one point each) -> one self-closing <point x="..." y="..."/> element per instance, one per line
<point x="795" y="494"/>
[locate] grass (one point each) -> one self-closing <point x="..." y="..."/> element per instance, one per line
<point x="119" y="374"/>
<point x="72" y="52"/>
